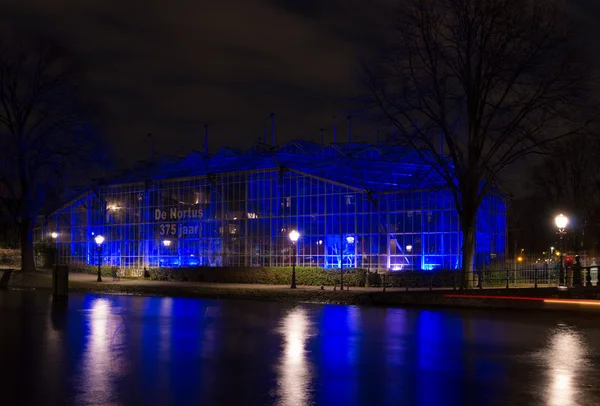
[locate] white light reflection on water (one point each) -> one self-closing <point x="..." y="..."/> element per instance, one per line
<point x="294" y="370"/>
<point x="566" y="361"/>
<point x="100" y="366"/>
<point x="166" y="317"/>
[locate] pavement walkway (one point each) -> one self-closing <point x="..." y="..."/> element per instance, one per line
<point x="44" y="279"/>
<point x="549" y="298"/>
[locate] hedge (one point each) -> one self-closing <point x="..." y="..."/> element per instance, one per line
<point x="260" y="275"/>
<point x="105" y="270"/>
<point x="416" y="279"/>
<point x="10" y="257"/>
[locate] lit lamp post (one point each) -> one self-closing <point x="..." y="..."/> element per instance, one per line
<point x="99" y="240"/>
<point x="561" y="222"/>
<point x="54" y="236"/>
<point x="166" y="244"/>
<point x="409" y="250"/>
<point x="294" y="235"/>
<point x="350" y="241"/>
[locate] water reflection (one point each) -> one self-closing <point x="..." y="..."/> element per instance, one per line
<point x="100" y="367"/>
<point x="295" y="371"/>
<point x="164" y="341"/>
<point x="146" y="351"/>
<point x="566" y="360"/>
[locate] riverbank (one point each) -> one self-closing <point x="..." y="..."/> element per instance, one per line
<point x="525" y="298"/>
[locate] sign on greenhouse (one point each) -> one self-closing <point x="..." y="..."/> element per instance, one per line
<point x="176" y="222"/>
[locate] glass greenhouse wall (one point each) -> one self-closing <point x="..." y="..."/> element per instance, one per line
<point x="354" y="205"/>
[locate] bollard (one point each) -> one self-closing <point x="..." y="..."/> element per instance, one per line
<point x="60" y="282"/>
<point x="383" y="282"/>
<point x="5" y="277"/>
<point x="535" y="278"/>
<point x="507" y="278"/>
<point x="335" y="287"/>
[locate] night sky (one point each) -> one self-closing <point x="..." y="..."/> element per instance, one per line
<point x="170" y="67"/>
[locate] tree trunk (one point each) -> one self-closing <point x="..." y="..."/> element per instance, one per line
<point x="468" y="232"/>
<point x="26" y="230"/>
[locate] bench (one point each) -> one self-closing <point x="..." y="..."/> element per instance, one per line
<point x="5" y="277"/>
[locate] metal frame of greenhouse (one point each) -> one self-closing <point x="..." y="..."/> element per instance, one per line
<point x="354" y="205"/>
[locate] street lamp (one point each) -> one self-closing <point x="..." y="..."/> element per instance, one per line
<point x="99" y="240"/>
<point x="167" y="243"/>
<point x="409" y="250"/>
<point x="294" y="235"/>
<point x="561" y="222"/>
<point x="54" y="236"/>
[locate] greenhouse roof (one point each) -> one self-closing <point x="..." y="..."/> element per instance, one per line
<point x="381" y="168"/>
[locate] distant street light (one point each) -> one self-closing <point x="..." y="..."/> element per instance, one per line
<point x="167" y="243"/>
<point x="561" y="222"/>
<point x="54" y="235"/>
<point x="294" y="235"/>
<point x="99" y="240"/>
<point x="409" y="250"/>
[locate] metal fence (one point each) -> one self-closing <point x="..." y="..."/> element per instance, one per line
<point x="484" y="279"/>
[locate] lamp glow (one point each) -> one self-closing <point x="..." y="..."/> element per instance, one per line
<point x="561" y="221"/>
<point x="350" y="239"/>
<point x="167" y="243"/>
<point x="99" y="240"/>
<point x="294" y="235"/>
<point x="409" y="248"/>
<point x="54" y="235"/>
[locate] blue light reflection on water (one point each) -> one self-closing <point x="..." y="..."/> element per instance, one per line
<point x="439" y="364"/>
<point x="132" y="350"/>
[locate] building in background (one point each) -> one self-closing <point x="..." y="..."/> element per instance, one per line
<point x="354" y="205"/>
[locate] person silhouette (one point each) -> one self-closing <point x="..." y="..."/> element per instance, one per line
<point x="577" y="271"/>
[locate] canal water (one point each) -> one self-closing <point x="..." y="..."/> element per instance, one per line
<point x="126" y="350"/>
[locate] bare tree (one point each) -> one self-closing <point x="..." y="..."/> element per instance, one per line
<point x="43" y="130"/>
<point x="476" y="85"/>
<point x="568" y="180"/>
<point x="569" y="177"/>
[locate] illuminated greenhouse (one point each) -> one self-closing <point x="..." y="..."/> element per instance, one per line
<point x="354" y="204"/>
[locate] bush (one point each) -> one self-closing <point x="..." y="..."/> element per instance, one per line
<point x="374" y="279"/>
<point x="260" y="275"/>
<point x="45" y="255"/>
<point x="419" y="279"/>
<point x="105" y="270"/>
<point x="10" y="257"/>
